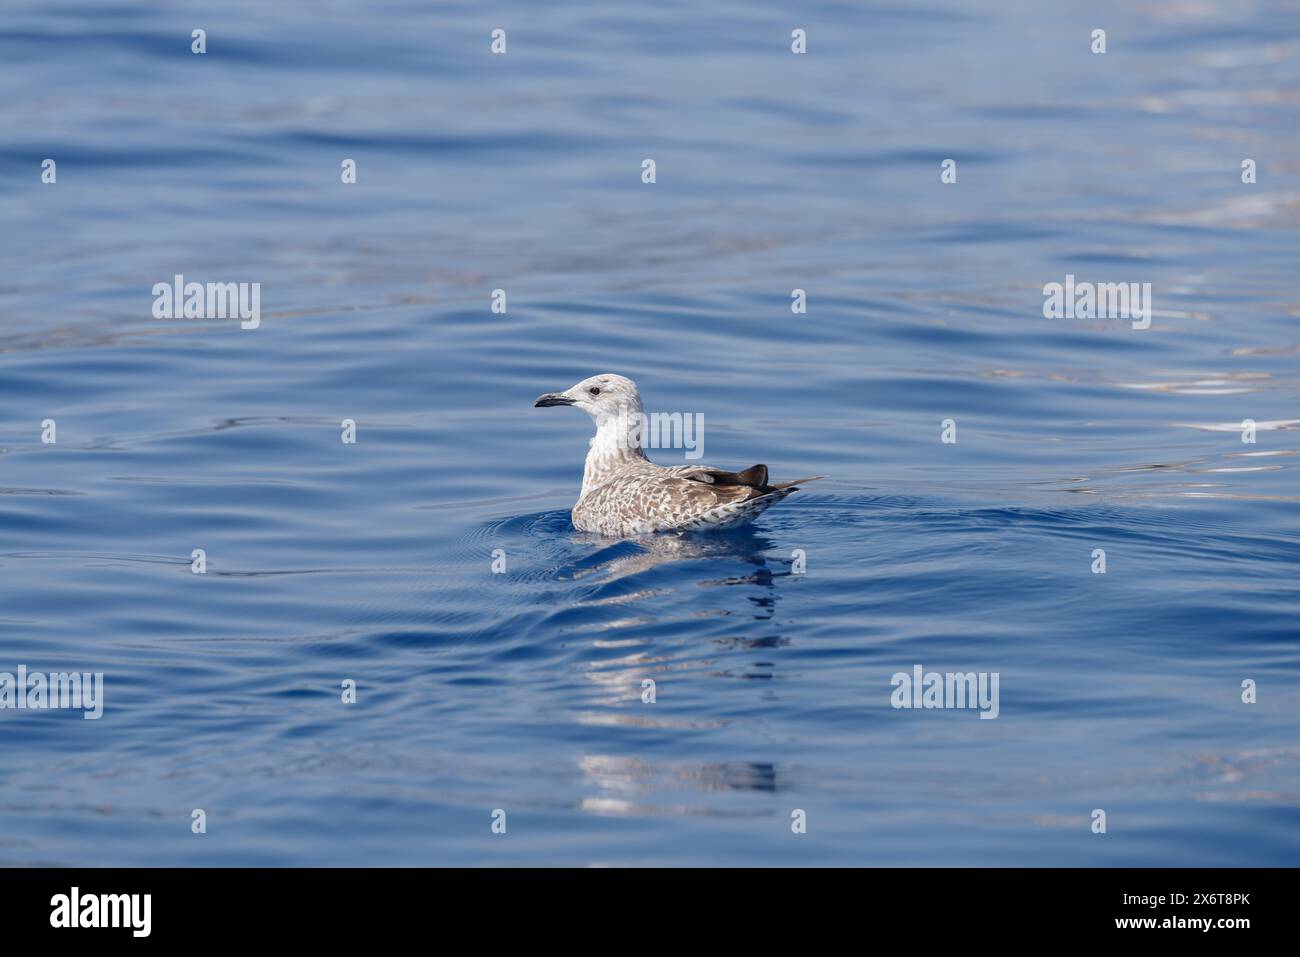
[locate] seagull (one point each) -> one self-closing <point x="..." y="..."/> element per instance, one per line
<point x="625" y="494"/>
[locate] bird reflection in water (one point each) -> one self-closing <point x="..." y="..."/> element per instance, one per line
<point x="637" y="555"/>
<point x="626" y="786"/>
<point x="623" y="681"/>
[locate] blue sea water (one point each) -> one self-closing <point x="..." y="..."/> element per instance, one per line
<point x="522" y="691"/>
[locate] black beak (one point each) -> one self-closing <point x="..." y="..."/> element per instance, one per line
<point x="551" y="398"/>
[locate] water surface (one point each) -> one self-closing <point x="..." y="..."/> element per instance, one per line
<point x="523" y="691"/>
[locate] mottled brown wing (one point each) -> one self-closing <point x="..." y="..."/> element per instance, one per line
<point x="662" y="499"/>
<point x="701" y="497"/>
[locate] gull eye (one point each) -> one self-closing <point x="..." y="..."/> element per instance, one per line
<point x="594" y="391"/>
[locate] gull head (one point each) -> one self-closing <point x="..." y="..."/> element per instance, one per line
<point x="603" y="397"/>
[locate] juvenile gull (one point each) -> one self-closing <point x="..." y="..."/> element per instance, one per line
<point x="624" y="493"/>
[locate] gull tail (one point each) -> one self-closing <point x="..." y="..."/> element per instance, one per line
<point x="794" y="485"/>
